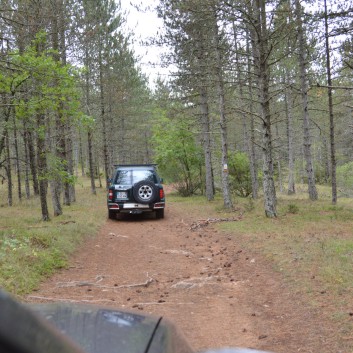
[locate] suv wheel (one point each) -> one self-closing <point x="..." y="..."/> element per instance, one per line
<point x="145" y="192"/>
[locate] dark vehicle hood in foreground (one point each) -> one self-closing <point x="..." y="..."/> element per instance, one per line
<point x="76" y="328"/>
<point x="98" y="330"/>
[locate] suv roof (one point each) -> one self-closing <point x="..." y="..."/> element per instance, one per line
<point x="135" y="165"/>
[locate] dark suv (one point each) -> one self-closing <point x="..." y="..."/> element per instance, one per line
<point x="135" y="189"/>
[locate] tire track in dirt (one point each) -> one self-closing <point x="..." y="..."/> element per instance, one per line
<point x="217" y="293"/>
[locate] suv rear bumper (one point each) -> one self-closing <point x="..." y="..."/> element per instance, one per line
<point x="129" y="207"/>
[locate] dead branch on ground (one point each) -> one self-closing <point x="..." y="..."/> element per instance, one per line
<point x="95" y="284"/>
<point x="201" y="223"/>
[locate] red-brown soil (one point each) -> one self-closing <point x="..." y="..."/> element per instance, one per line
<point x="217" y="293"/>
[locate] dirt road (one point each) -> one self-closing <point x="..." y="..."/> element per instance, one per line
<point x="216" y="292"/>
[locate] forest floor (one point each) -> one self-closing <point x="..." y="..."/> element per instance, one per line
<point x="187" y="270"/>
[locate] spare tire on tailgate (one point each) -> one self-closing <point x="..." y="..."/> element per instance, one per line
<point x="145" y="192"/>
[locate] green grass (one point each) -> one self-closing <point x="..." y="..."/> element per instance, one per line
<point x="31" y="250"/>
<point x="314" y="241"/>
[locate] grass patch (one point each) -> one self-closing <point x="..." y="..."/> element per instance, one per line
<point x="31" y="250"/>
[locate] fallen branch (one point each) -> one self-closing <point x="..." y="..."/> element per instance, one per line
<point x="95" y="284"/>
<point x="197" y="282"/>
<point x="205" y="222"/>
<point x="164" y="303"/>
<point x="70" y="300"/>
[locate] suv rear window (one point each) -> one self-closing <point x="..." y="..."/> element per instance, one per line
<point x="130" y="177"/>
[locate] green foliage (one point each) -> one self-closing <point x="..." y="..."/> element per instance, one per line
<point x="51" y="92"/>
<point x="57" y="170"/>
<point x="87" y="122"/>
<point x="177" y="154"/>
<point x="53" y="85"/>
<point x="47" y="82"/>
<point x="239" y="173"/>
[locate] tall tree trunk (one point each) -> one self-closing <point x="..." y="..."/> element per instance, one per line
<point x="69" y="187"/>
<point x="81" y="154"/>
<point x="279" y="168"/>
<point x="290" y="137"/>
<point x="27" y="170"/>
<point x="89" y="132"/>
<point x="17" y="158"/>
<point x="42" y="168"/>
<point x="90" y="162"/>
<point x="55" y="197"/>
<point x="29" y="140"/>
<point x="207" y="144"/>
<point x="325" y="158"/>
<point x="222" y="117"/>
<point x="70" y="192"/>
<point x="103" y="120"/>
<point x="304" y="93"/>
<point x="261" y="58"/>
<point x="330" y="108"/>
<point x="251" y="138"/>
<point x="58" y="146"/>
<point x="5" y="144"/>
<point x="8" y="168"/>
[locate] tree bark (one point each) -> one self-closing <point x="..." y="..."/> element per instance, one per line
<point x="58" y="146"/>
<point x="291" y="171"/>
<point x="42" y="168"/>
<point x="17" y="159"/>
<point x="207" y="144"/>
<point x="27" y="170"/>
<point x="8" y="169"/>
<point x="304" y="93"/>
<point x="103" y="119"/>
<point x="251" y="140"/>
<point x="330" y="108"/>
<point x="227" y="200"/>
<point x="290" y="138"/>
<point x="261" y="58"/>
<point x="90" y="162"/>
<point x="29" y="140"/>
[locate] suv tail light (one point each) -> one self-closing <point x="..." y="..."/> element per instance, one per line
<point x="110" y="195"/>
<point x="161" y="193"/>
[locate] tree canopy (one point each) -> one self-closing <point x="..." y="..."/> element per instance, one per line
<point x="267" y="80"/>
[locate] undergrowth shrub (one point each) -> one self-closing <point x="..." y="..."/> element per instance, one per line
<point x="239" y="174"/>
